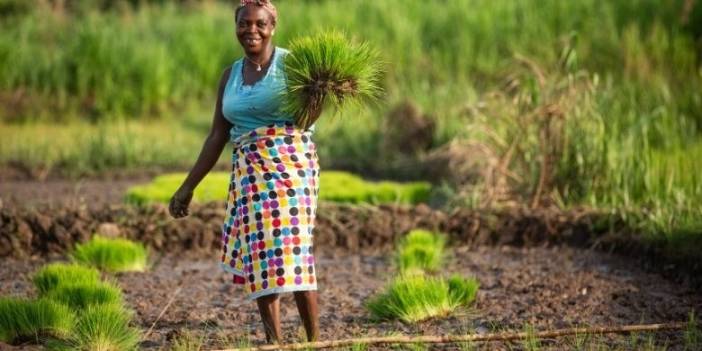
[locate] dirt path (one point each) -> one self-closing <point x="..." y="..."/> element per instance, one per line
<point x="545" y="287"/>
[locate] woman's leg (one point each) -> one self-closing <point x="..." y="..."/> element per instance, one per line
<point x="269" y="308"/>
<point x="306" y="302"/>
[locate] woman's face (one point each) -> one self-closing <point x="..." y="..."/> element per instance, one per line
<point x="254" y="28"/>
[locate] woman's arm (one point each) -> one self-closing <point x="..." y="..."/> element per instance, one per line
<point x="211" y="150"/>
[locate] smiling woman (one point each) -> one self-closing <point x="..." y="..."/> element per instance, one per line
<point x="272" y="198"/>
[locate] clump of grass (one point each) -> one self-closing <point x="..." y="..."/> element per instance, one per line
<point x="33" y="320"/>
<point x="104" y="328"/>
<point x="115" y="255"/>
<point x="52" y="275"/>
<point x="80" y="296"/>
<point x="462" y="290"/>
<point x="421" y="250"/>
<point x="328" y="70"/>
<point x="413" y="298"/>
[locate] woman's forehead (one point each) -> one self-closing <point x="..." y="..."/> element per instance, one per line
<point x="253" y="13"/>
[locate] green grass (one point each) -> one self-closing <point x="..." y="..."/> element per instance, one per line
<point x="334" y="186"/>
<point x="462" y="290"/>
<point x="327" y="70"/>
<point x="416" y="297"/>
<point x="51" y="276"/>
<point x="80" y="296"/>
<point x="624" y="75"/>
<point x="421" y="250"/>
<point x="101" y="327"/>
<point x="33" y="320"/>
<point x="114" y="255"/>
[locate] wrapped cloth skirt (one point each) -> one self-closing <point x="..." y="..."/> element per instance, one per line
<point x="271" y="206"/>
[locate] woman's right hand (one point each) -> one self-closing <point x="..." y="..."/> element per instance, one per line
<point x="178" y="206"/>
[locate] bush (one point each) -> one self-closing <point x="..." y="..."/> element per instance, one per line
<point x="22" y="320"/>
<point x="114" y="255"/>
<point x="52" y="275"/>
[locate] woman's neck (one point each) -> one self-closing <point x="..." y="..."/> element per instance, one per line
<point x="262" y="57"/>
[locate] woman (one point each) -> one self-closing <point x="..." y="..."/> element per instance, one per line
<point x="267" y="231"/>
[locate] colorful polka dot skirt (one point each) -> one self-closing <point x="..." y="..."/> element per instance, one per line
<point x="267" y="230"/>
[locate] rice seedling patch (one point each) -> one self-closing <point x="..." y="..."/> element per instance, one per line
<point x="102" y="327"/>
<point x="334" y="186"/>
<point x="112" y="254"/>
<point x="327" y="70"/>
<point x="52" y="275"/>
<point x="413" y="298"/>
<point x="421" y="250"/>
<point x="33" y="320"/>
<point x="80" y="296"/>
<point x="462" y="290"/>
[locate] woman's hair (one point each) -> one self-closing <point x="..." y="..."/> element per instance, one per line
<point x="266" y="4"/>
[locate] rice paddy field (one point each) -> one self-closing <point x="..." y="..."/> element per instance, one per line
<point x="531" y="166"/>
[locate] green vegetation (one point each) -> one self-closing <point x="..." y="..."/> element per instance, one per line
<point x="50" y="276"/>
<point x="33" y="320"/>
<point x="112" y="254"/>
<point x="102" y="327"/>
<point x="334" y="186"/>
<point x="421" y="250"/>
<point x="80" y="296"/>
<point x="346" y="187"/>
<point x="416" y="297"/>
<point x="325" y="71"/>
<point x="585" y="102"/>
<point x="462" y="290"/>
<point x="212" y="188"/>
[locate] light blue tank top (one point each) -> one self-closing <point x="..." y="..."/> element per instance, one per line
<point x="248" y="107"/>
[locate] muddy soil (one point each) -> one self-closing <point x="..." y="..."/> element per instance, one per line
<point x="82" y="192"/>
<point x="545" y="287"/>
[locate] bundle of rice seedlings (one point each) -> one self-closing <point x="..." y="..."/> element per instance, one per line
<point x="81" y="295"/>
<point x="102" y="328"/>
<point x="328" y="70"/>
<point x="115" y="255"/>
<point x="462" y="291"/>
<point x="421" y="250"/>
<point x="52" y="275"/>
<point x="33" y="320"/>
<point x="412" y="298"/>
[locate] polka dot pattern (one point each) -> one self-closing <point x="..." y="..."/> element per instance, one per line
<point x="270" y="213"/>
